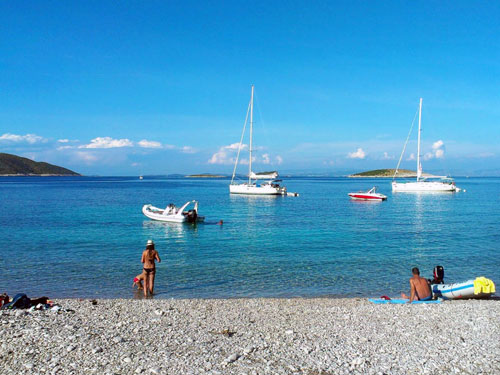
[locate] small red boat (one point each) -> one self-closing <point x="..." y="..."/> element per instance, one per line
<point x="370" y="195"/>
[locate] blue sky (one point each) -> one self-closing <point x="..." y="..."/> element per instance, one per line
<point x="154" y="87"/>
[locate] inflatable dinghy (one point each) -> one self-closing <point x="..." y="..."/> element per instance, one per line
<point x="481" y="287"/>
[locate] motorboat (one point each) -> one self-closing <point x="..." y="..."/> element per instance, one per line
<point x="370" y="195"/>
<point x="173" y="214"/>
<point x="271" y="186"/>
<point x="422" y="184"/>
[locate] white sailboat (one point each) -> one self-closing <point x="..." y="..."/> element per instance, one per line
<point x="271" y="186"/>
<point x="422" y="183"/>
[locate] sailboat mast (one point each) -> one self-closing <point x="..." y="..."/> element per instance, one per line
<point x="251" y="130"/>
<point x="419" y="170"/>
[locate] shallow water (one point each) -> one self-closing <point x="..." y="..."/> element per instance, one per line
<point x="83" y="237"/>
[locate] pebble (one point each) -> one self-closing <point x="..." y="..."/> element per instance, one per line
<point x="248" y="350"/>
<point x="233" y="357"/>
<point x="330" y="336"/>
<point x="118" y="339"/>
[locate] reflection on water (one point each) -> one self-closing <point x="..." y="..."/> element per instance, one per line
<point x="254" y="199"/>
<point x="168" y="230"/>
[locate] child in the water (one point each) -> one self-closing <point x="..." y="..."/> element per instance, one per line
<point x="138" y="281"/>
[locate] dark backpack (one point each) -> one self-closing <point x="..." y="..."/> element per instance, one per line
<point x="20" y="301"/>
<point x="438" y="275"/>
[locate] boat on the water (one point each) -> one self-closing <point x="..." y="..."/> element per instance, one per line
<point x="422" y="184"/>
<point x="269" y="187"/>
<point x="480" y="287"/>
<point x="370" y="195"/>
<point x="173" y="214"/>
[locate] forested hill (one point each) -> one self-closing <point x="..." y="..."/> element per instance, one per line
<point x="385" y="173"/>
<point x="17" y="165"/>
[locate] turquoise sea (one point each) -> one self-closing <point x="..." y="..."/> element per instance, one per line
<point x="83" y="237"/>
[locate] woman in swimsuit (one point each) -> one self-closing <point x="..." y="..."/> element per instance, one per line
<point x="148" y="259"/>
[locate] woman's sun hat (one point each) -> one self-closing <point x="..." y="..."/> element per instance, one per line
<point x="150" y="242"/>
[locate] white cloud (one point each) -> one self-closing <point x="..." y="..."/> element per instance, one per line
<point x="437" y="151"/>
<point x="265" y="159"/>
<point x="29" y="138"/>
<point x="135" y="164"/>
<point x="149" y="144"/>
<point x="188" y="150"/>
<point x="226" y="154"/>
<point x="61" y="148"/>
<point x="358" y="154"/>
<point x="108" y="142"/>
<point x="65" y="140"/>
<point x="411" y="157"/>
<point x="279" y="160"/>
<point x="86" y="157"/>
<point x="235" y="146"/>
<point x="428" y="155"/>
<point x="386" y="156"/>
<point x="437" y="145"/>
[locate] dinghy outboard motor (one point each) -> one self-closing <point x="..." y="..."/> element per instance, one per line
<point x="438" y="275"/>
<point x="192" y="215"/>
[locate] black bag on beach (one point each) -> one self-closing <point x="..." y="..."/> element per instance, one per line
<point x="20" y="301"/>
<point x="438" y="275"/>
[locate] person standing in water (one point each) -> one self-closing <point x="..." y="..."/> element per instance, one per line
<point x="149" y="256"/>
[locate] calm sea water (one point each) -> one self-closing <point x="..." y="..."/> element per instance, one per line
<point x="83" y="237"/>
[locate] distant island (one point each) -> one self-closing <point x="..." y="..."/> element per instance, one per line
<point x="13" y="165"/>
<point x="205" y="175"/>
<point x="388" y="173"/>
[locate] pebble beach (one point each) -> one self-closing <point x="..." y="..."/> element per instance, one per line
<point x="317" y="336"/>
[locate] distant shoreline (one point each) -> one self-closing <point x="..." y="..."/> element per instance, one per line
<point x="205" y="176"/>
<point x="399" y="176"/>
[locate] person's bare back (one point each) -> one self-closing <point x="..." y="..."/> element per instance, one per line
<point x="149" y="257"/>
<point x="419" y="287"/>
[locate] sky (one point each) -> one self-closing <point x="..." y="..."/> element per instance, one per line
<point x="161" y="87"/>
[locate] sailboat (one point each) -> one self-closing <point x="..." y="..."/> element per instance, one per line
<point x="269" y="187"/>
<point x="422" y="183"/>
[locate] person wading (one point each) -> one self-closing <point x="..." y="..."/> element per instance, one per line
<point x="149" y="256"/>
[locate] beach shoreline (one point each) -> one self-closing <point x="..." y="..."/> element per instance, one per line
<point x="252" y="336"/>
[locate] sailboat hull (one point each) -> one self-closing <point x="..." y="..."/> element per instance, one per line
<point x="423" y="186"/>
<point x="253" y="189"/>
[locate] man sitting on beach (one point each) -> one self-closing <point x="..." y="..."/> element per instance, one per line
<point x="419" y="288"/>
